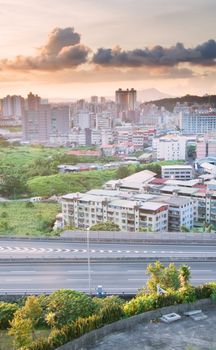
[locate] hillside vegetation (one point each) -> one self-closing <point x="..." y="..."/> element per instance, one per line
<point x="169" y="103"/>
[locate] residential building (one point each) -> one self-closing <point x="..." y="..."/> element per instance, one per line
<point x="36" y="124"/>
<point x="170" y="147"/>
<point x="12" y="106"/>
<point x="85" y="210"/>
<point x="126" y="104"/>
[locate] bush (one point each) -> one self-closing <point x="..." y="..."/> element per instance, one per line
<point x="65" y="306"/>
<point x="167" y="300"/>
<point x="111" y="313"/>
<point x="140" y="304"/>
<point x="203" y="291"/>
<point x="7" y="311"/>
<point x="187" y="295"/>
<point x="105" y="226"/>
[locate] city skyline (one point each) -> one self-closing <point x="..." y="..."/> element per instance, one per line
<point x="78" y="49"/>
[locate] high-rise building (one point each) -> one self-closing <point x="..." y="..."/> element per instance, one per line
<point x="36" y="124"/>
<point x="126" y="104"/>
<point x="94" y="99"/>
<point x="12" y="106"/>
<point x="33" y="102"/>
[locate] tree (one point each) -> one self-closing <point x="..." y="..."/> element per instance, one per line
<point x="25" y="322"/>
<point x="184" y="275"/>
<point x="155" y="271"/>
<point x="13" y="182"/>
<point x="65" y="306"/>
<point x="166" y="277"/>
<point x="105" y="226"/>
<point x="122" y="172"/>
<point x="21" y="329"/>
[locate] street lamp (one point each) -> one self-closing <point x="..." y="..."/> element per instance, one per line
<point x="88" y="256"/>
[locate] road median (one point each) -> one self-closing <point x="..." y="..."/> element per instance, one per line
<point x="104" y="260"/>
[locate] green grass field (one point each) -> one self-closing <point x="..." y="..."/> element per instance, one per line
<point x="21" y="219"/>
<point x="65" y="183"/>
<point x="23" y="155"/>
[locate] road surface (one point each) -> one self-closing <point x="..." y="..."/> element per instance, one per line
<point x="114" y="277"/>
<point x="58" y="249"/>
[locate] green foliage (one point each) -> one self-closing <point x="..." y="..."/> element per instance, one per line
<point x="166" y="277"/>
<point x="22" y="219"/>
<point x="184" y="228"/>
<point x="21" y="330"/>
<point x="169" y="103"/>
<point x="187" y="294"/>
<point x="65" y="183"/>
<point x="68" y="305"/>
<point x="123" y="171"/>
<point x="105" y="226"/>
<point x="203" y="291"/>
<point x="145" y="302"/>
<point x="7" y="311"/>
<point x="184" y="275"/>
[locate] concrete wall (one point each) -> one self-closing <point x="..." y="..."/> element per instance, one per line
<point x="123" y="325"/>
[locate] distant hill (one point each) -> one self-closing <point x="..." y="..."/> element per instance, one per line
<point x="169" y="103"/>
<point x="151" y="94"/>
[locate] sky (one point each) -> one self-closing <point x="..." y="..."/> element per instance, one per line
<point x="79" y="48"/>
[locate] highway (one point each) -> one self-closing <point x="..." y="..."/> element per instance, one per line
<point x="59" y="249"/>
<point x="114" y="277"/>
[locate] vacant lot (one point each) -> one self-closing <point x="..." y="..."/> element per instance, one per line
<point x="27" y="219"/>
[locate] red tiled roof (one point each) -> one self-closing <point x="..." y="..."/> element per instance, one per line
<point x="83" y="152"/>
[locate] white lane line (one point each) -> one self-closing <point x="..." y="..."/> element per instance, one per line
<point x="19" y="271"/>
<point x="110" y="251"/>
<point x="162" y="251"/>
<point x="101" y="251"/>
<point x="128" y="251"/>
<point x="136" y="251"/>
<point x="81" y="272"/>
<point x="145" y="251"/>
<point x="194" y="270"/>
<point x="77" y="279"/>
<point x="136" y="271"/>
<point x="203" y="279"/>
<point x="83" y="251"/>
<point x="119" y="251"/>
<point x="18" y="280"/>
<point x="137" y="279"/>
<point x="57" y="250"/>
<point x="92" y="251"/>
<point x="66" y="250"/>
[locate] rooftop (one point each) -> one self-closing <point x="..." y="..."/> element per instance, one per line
<point x="177" y="166"/>
<point x="155" y="335"/>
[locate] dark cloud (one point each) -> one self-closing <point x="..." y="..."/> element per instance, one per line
<point x="204" y="54"/>
<point x="62" y="50"/>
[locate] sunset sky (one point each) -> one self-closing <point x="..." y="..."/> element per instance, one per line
<point x="79" y="48"/>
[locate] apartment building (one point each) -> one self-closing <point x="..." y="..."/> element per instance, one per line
<point x="85" y="210"/>
<point x="177" y="172"/>
<point x="181" y="213"/>
<point x="170" y="147"/>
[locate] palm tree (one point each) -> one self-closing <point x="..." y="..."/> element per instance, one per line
<point x="184" y="275"/>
